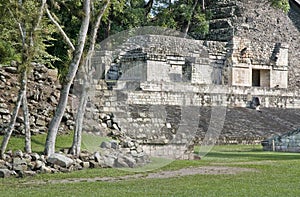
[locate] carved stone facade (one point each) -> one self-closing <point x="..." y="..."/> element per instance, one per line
<point x="238" y="62"/>
<point x="263" y="25"/>
<point x="250" y="65"/>
<point x="160" y="86"/>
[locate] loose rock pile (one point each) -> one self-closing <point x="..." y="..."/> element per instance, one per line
<point x="111" y="154"/>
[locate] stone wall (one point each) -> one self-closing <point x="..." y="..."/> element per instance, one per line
<point x="152" y="103"/>
<point x="200" y="62"/>
<point x="168" y="118"/>
<point x="43" y="93"/>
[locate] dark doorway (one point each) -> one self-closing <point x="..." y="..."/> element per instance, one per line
<point x="255" y="77"/>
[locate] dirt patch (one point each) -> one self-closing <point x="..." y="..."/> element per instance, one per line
<point x="200" y="170"/>
<point x="214" y="170"/>
<point x="247" y="163"/>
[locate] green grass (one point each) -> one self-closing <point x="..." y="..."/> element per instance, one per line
<point x="38" y="142"/>
<point x="90" y="142"/>
<point x="276" y="174"/>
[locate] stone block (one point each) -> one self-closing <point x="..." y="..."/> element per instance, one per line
<point x="19" y="164"/>
<point x="4" y="173"/>
<point x="60" y="160"/>
<point x="85" y="164"/>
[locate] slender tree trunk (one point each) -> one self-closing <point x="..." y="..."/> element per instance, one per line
<point x="96" y="26"/>
<point x="186" y="29"/>
<point x="26" y="116"/>
<point x="14" y="117"/>
<point x="87" y="72"/>
<point x="148" y="7"/>
<point x="76" y="146"/>
<point x="63" y="99"/>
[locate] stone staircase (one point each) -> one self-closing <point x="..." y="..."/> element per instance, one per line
<point x="220" y="25"/>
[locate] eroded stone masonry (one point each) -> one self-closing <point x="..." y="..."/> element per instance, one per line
<point x="168" y="92"/>
<point x="159" y="87"/>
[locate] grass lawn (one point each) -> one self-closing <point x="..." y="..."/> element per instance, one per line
<point x="275" y="174"/>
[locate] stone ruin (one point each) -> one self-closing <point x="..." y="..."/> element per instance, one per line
<point x="287" y="142"/>
<point x="156" y="86"/>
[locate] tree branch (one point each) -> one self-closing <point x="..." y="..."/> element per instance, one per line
<point x="37" y="24"/>
<point x="186" y="30"/>
<point x="65" y="37"/>
<point x="97" y="25"/>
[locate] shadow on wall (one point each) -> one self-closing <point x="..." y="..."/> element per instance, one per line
<point x="294" y="13"/>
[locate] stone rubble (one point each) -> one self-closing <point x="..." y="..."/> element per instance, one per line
<point x="112" y="155"/>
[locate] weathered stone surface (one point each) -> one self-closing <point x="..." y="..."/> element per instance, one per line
<point x="38" y="164"/>
<point x="12" y="70"/>
<point x="45" y="169"/>
<point x="121" y="163"/>
<point x="114" y="144"/>
<point x="97" y="157"/>
<point x="29" y="173"/>
<point x="19" y="164"/>
<point x="265" y="25"/>
<point x="18" y="153"/>
<point x="4" y="173"/>
<point x="35" y="156"/>
<point x="60" y="160"/>
<point x="4" y="111"/>
<point x="108" y="161"/>
<point x="105" y="145"/>
<point x="93" y="164"/>
<point x="85" y="164"/>
<point x="125" y="161"/>
<point x="2" y="163"/>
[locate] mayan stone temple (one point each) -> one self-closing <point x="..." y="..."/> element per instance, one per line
<point x="167" y="92"/>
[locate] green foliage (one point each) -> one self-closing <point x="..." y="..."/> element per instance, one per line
<point x="177" y="14"/>
<point x="22" y="41"/>
<point x="281" y="4"/>
<point x="8" y="53"/>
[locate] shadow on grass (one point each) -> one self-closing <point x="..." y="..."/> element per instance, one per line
<point x="259" y="155"/>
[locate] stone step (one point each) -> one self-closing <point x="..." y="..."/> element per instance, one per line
<point x="224" y="34"/>
<point x="219" y="24"/>
<point x="221" y="3"/>
<point x="224" y="12"/>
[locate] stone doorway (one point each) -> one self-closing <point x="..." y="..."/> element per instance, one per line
<point x="260" y="77"/>
<point x="256" y="77"/>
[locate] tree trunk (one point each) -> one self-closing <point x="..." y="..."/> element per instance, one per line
<point x="26" y="116"/>
<point x="186" y="29"/>
<point x="96" y="26"/>
<point x="63" y="99"/>
<point x="14" y="116"/>
<point x="76" y="146"/>
<point x="148" y="7"/>
<point x="87" y="71"/>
